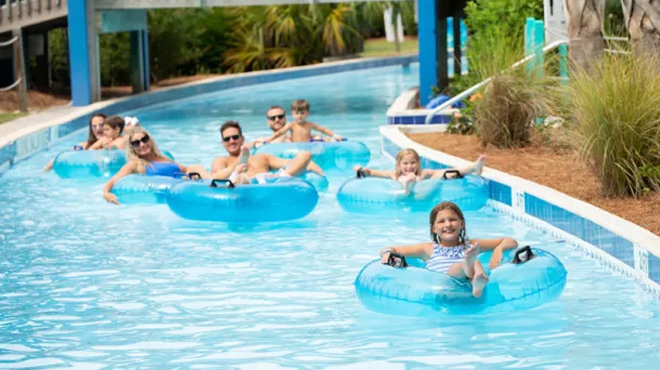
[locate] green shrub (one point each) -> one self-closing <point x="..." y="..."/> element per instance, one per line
<point x="483" y="19"/>
<point x="513" y="98"/>
<point x="616" y="113"/>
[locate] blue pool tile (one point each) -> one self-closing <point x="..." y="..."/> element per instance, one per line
<point x="7" y="153"/>
<point x="654" y="267"/>
<point x="584" y="229"/>
<point x="500" y="192"/>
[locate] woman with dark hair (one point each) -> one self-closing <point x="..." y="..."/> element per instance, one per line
<point x="113" y="128"/>
<point x="95" y="133"/>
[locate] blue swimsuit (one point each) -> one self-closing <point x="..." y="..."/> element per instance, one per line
<point x="443" y="257"/>
<point x="169" y="169"/>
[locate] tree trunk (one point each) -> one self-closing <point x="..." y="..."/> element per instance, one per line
<point x="585" y="31"/>
<point x="397" y="42"/>
<point x="642" y="18"/>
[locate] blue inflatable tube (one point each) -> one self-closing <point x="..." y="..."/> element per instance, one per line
<point x="378" y="195"/>
<point x="283" y="199"/>
<point x="416" y="291"/>
<point x="319" y="182"/>
<point x="89" y="163"/>
<point x="143" y="189"/>
<point x="339" y="155"/>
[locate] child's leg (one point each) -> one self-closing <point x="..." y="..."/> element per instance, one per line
<point x="471" y="269"/>
<point x="479" y="280"/>
<point x="465" y="268"/>
<point x="474" y="168"/>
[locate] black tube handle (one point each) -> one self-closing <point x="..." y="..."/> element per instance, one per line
<point x="455" y="172"/>
<point x="360" y="173"/>
<point x="518" y="256"/>
<point x="193" y="176"/>
<point x="214" y="183"/>
<point x="396" y="260"/>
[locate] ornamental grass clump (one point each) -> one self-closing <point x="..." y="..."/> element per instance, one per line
<point x="615" y="106"/>
<point x="514" y="96"/>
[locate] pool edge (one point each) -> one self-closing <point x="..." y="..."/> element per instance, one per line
<point x="23" y="142"/>
<point x="596" y="231"/>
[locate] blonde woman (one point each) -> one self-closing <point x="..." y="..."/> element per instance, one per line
<point x="144" y="157"/>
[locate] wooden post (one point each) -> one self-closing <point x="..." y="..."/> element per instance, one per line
<point x="19" y="71"/>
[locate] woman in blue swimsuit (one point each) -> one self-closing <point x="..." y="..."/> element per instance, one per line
<point x="144" y="157"/>
<point x="451" y="252"/>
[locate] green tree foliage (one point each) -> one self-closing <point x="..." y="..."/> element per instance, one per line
<point x="507" y="15"/>
<point x="216" y="40"/>
<point x="488" y="20"/>
<point x="58" y="43"/>
<point x="114" y="57"/>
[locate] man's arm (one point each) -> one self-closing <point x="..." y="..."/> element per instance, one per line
<point x="280" y="132"/>
<point x="220" y="168"/>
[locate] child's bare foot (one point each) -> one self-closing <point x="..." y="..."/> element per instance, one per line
<point x="478" y="165"/>
<point x="479" y="281"/>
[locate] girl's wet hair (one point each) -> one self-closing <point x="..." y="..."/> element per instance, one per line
<point x="115" y="122"/>
<point x="133" y="154"/>
<point x="91" y="138"/>
<point x="399" y="158"/>
<point x="462" y="238"/>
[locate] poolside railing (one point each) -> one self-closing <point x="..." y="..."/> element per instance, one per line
<point x="476" y="87"/>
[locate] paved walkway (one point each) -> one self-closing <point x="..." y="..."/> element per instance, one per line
<point x="12" y="130"/>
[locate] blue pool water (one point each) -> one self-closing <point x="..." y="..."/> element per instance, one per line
<point x="88" y="285"/>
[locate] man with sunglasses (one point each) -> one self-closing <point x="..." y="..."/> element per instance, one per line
<point x="242" y="168"/>
<point x="275" y="119"/>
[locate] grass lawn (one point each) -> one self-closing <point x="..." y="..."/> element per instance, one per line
<point x="6" y="117"/>
<point x="381" y="47"/>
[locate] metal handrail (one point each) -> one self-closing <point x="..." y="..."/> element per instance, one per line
<point x="3" y="89"/>
<point x="468" y="92"/>
<point x="7" y="43"/>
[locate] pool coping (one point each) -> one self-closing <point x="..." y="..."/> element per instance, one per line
<point x="35" y="132"/>
<point x="616" y="242"/>
<point x="404" y="112"/>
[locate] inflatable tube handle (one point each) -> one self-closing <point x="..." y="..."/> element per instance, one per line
<point x="528" y="255"/>
<point x="396" y="260"/>
<point x="214" y="183"/>
<point x="193" y="175"/>
<point x="456" y="172"/>
<point x="360" y="173"/>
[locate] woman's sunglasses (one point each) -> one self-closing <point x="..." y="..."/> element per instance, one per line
<point x="279" y="116"/>
<point x="97" y="126"/>
<point x="226" y="139"/>
<point x="136" y="143"/>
